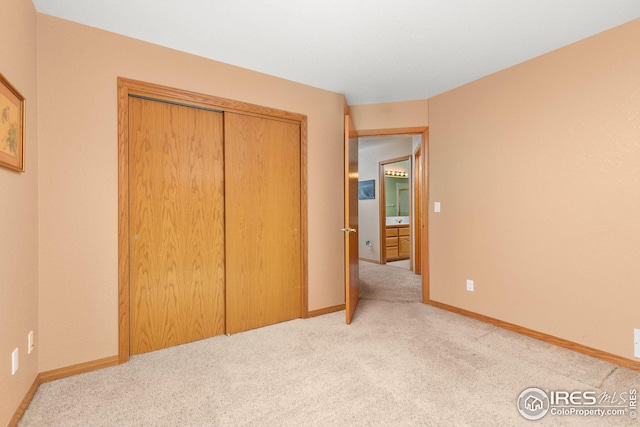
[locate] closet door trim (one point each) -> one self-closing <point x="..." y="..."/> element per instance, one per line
<point x="127" y="88"/>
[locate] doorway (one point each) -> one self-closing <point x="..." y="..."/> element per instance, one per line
<point x="395" y="212"/>
<point x="370" y="244"/>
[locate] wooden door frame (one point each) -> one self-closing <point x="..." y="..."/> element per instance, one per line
<point x="417" y="208"/>
<point x="127" y="87"/>
<point x="424" y="202"/>
<point x="382" y="204"/>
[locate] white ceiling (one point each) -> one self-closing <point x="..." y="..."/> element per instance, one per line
<point x="370" y="50"/>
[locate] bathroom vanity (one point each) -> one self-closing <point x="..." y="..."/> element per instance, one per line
<point x="398" y="242"/>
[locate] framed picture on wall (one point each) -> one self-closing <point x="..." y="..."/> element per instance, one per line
<point x="367" y="189"/>
<point x="12" y="113"/>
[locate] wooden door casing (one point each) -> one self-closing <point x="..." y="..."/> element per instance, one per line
<point x="417" y="214"/>
<point x="382" y="207"/>
<point x="176" y="224"/>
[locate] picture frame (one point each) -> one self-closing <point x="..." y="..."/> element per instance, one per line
<point x="12" y="126"/>
<point x="367" y="190"/>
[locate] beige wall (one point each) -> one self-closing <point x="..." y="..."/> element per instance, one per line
<point x="391" y="115"/>
<point x="78" y="68"/>
<point x="537" y="169"/>
<point x="18" y="215"/>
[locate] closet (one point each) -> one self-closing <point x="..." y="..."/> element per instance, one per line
<point x="211" y="217"/>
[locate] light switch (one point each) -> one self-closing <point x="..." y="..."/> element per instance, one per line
<point x="14" y="361"/>
<point x="470" y="285"/>
<point x="436" y="206"/>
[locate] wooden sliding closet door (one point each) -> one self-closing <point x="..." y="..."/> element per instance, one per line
<point x="176" y="217"/>
<point x="262" y="221"/>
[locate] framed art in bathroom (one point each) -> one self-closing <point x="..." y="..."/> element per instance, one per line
<point x="367" y="189"/>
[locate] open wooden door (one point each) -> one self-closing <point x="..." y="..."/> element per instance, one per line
<point x="352" y="291"/>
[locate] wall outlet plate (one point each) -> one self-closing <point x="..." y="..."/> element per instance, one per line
<point x="470" y="285"/>
<point x="636" y="341"/>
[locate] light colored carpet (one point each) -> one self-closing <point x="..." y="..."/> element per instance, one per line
<point x="399" y="363"/>
<point x="387" y="283"/>
<point x="405" y="263"/>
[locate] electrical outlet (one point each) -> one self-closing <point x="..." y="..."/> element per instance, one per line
<point x="30" y="342"/>
<point x="470" y="285"/>
<point x="636" y="345"/>
<point x="14" y="361"/>
<point x="436" y="206"/>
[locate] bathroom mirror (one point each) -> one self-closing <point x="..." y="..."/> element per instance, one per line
<point x="396" y="184"/>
